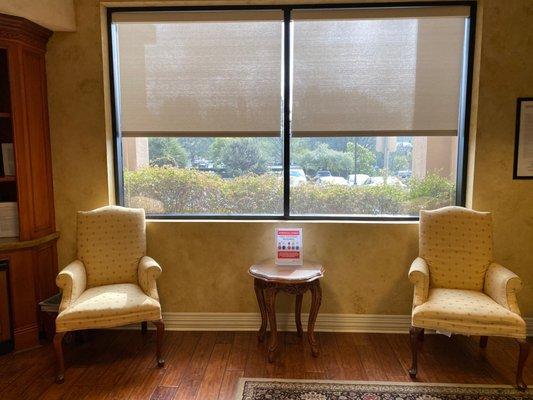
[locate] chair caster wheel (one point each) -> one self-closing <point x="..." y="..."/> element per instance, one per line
<point x="60" y="379"/>
<point x="161" y="363"/>
<point x="412" y="373"/>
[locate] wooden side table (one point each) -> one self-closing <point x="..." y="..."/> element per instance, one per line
<point x="269" y="279"/>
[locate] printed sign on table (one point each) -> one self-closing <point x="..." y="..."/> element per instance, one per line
<point x="289" y="246"/>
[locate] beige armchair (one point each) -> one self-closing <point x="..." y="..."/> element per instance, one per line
<point x="457" y="286"/>
<point x="113" y="282"/>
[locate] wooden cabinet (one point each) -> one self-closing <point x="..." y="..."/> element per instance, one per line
<point x="31" y="257"/>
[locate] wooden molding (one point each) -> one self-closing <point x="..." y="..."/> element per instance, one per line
<point x="22" y="30"/>
<point x="10" y="244"/>
<point x="325" y="322"/>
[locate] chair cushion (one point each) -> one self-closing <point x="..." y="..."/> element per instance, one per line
<point x="111" y="241"/>
<point x="467" y="312"/>
<point x="457" y="246"/>
<point x="108" y="306"/>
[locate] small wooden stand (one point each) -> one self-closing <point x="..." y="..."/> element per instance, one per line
<point x="269" y="279"/>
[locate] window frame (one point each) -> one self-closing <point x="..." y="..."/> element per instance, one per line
<point x="463" y="123"/>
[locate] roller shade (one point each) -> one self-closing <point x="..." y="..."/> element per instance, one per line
<point x="206" y="73"/>
<point x="377" y="72"/>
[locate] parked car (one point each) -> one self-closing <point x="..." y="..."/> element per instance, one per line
<point x="357" y="179"/>
<point x="321" y="174"/>
<point x="379" y="180"/>
<point x="297" y="176"/>
<point x="332" y="180"/>
<point x="405" y="175"/>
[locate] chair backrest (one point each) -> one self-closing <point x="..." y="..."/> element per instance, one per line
<point x="111" y="241"/>
<point x="457" y="245"/>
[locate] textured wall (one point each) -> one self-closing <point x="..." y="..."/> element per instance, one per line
<point x="506" y="72"/>
<point x="205" y="263"/>
<point x="56" y="15"/>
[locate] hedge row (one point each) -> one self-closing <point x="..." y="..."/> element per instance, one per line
<point x="188" y="191"/>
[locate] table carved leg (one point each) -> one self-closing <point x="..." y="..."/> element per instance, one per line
<point x="316" y="293"/>
<point x="258" y="286"/>
<point x="298" y="314"/>
<point x="270" y="297"/>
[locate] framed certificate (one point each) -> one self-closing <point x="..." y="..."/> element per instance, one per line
<point x="523" y="146"/>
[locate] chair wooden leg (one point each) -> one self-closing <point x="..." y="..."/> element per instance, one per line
<point x="522" y="357"/>
<point x="415" y="335"/>
<point x="483" y="341"/>
<point x="58" y="339"/>
<point x="144" y="327"/>
<point x="160" y="326"/>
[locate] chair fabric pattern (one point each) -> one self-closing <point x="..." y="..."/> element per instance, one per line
<point x="457" y="245"/>
<point x="111" y="242"/>
<point x="107" y="306"/>
<point x="467" y="312"/>
<point x="113" y="283"/>
<point x="502" y="285"/>
<point x="458" y="287"/>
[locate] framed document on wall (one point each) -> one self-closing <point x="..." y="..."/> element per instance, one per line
<point x="523" y="146"/>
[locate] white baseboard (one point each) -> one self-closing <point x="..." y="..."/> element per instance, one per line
<point x="175" y="321"/>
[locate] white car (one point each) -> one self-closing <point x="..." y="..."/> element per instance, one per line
<point x="332" y="180"/>
<point x="379" y="180"/>
<point x="357" y="179"/>
<point x="297" y="177"/>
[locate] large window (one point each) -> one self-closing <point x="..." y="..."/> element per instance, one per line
<point x="290" y="112"/>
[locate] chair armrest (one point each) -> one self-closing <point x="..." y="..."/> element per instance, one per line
<point x="419" y="276"/>
<point x="502" y="285"/>
<point x="72" y="281"/>
<point x="148" y="272"/>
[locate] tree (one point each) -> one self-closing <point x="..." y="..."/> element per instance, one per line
<point x="400" y="162"/>
<point x="339" y="163"/>
<point x="167" y="152"/>
<point x="215" y="150"/>
<point x="196" y="147"/>
<point x="366" y="159"/>
<point x="240" y="156"/>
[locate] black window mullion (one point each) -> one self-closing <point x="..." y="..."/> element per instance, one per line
<point x="286" y="111"/>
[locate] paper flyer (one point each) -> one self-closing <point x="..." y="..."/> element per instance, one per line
<point x="289" y="246"/>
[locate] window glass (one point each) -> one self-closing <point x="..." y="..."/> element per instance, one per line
<point x="375" y="102"/>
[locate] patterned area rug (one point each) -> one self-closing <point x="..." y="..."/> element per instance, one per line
<point x="281" y="389"/>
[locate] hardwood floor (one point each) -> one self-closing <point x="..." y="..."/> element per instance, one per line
<point x="118" y="364"/>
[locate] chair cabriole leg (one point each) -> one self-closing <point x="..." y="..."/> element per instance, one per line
<point x="58" y="346"/>
<point x="483" y="341"/>
<point x="522" y="357"/>
<point x="415" y="334"/>
<point x="160" y="326"/>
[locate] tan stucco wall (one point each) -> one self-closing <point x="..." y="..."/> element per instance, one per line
<point x="56" y="15"/>
<point x="205" y="263"/>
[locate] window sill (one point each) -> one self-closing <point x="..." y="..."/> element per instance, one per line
<point x="367" y="221"/>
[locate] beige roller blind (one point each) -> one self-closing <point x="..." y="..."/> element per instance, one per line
<point x="212" y="73"/>
<point x="377" y="72"/>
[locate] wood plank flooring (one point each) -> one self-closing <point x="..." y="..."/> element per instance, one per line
<point x="117" y="364"/>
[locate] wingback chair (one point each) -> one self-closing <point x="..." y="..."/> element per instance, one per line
<point x="458" y="287"/>
<point x="113" y="282"/>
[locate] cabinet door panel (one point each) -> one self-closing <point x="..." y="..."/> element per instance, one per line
<point x="39" y="171"/>
<point x="23" y="306"/>
<point x="45" y="261"/>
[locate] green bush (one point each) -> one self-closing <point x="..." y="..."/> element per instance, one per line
<point x="188" y="191"/>
<point x="431" y="192"/>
